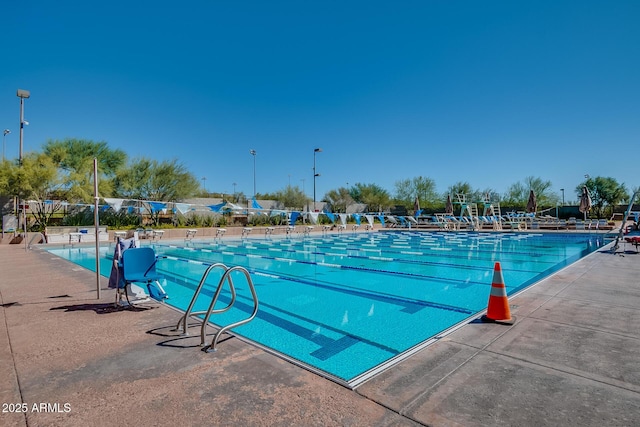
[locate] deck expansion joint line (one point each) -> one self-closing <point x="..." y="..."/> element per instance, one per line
<point x="13" y="357"/>
<point x="571" y="372"/>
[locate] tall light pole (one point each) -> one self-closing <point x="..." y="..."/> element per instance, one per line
<point x="4" y="140"/>
<point x="22" y="94"/>
<point x="204" y="183"/>
<point x="253" y="153"/>
<point x="562" y="189"/>
<point x="316" y="150"/>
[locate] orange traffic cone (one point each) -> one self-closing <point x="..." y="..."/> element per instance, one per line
<point x="498" y="309"/>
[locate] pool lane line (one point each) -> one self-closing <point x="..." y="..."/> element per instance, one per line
<point x="354" y="268"/>
<point x="478" y="259"/>
<point x="478" y="250"/>
<point x="382" y="297"/>
<point x="375" y="258"/>
<point x="452" y="247"/>
<point x="461" y="252"/>
<point x="423" y="277"/>
<point x="468" y="241"/>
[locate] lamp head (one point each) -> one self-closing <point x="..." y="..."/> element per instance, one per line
<point x="6" y="132"/>
<point x="252" y="152"/>
<point x="23" y="93"/>
<point x="317" y="150"/>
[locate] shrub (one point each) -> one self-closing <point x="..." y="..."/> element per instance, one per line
<point x="119" y="220"/>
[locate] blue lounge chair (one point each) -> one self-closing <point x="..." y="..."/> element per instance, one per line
<point x="139" y="266"/>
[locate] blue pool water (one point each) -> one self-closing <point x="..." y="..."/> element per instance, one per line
<point x="345" y="304"/>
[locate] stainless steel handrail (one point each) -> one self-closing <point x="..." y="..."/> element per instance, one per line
<point x="624" y="222"/>
<point x="188" y="312"/>
<point x="36" y="236"/>
<point x="227" y="277"/>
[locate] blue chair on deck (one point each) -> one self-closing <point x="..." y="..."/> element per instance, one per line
<point x="139" y="266"/>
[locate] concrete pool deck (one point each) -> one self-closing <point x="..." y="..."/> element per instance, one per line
<point x="69" y="359"/>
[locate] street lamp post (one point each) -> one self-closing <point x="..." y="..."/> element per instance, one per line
<point x="316" y="150"/>
<point x="4" y="139"/>
<point x="253" y="153"/>
<point x="22" y="94"/>
<point x="562" y="189"/>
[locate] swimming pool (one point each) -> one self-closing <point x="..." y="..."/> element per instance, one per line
<point x="347" y="305"/>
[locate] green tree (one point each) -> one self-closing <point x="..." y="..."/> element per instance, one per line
<point x="74" y="158"/>
<point x="605" y="193"/>
<point x="36" y="180"/>
<point x="4" y="177"/>
<point x="407" y="190"/>
<point x="71" y="154"/>
<point x="460" y="187"/>
<point x="291" y="197"/>
<point x="146" y="179"/>
<point x="339" y="199"/>
<point x="543" y="191"/>
<point x="518" y="194"/>
<point x="375" y="197"/>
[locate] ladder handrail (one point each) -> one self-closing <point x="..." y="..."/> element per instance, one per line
<point x="40" y="235"/>
<point x="226" y="276"/>
<point x="188" y="312"/>
<point x="624" y="222"/>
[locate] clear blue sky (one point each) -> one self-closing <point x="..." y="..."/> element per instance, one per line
<point x="488" y="92"/>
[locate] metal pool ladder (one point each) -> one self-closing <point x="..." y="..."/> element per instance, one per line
<point x="226" y="278"/>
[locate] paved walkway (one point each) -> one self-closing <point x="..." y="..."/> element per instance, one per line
<point x="68" y="359"/>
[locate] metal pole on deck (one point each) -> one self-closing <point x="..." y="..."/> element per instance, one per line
<point x="96" y="221"/>
<point x="23" y="94"/>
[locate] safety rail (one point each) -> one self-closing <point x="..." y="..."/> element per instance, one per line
<point x="622" y="230"/>
<point x="40" y="236"/>
<point x="226" y="277"/>
<point x="188" y="312"/>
